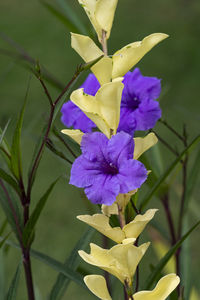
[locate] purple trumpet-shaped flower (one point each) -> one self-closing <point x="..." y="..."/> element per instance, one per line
<point x="139" y="110"/>
<point x="106" y="167"/>
<point x="72" y="116"/>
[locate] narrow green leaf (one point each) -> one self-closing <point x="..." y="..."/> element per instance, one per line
<point x="71" y="15"/>
<point x="5" y="204"/>
<point x="12" y="292"/>
<point x="53" y="263"/>
<point x="57" y="152"/>
<point x="4" y="132"/>
<point x="2" y="274"/>
<point x="185" y="257"/>
<point x="3" y="226"/>
<point x="4" y="240"/>
<point x="72" y="262"/>
<point x="10" y="180"/>
<point x="162" y="178"/>
<point x="61" y="17"/>
<point x="59" y="267"/>
<point x="156" y="273"/>
<point x="192" y="180"/>
<point x="16" y="162"/>
<point x="30" y="226"/>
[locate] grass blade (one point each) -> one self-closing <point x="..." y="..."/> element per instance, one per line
<point x="4" y="131"/>
<point x="156" y="273"/>
<point x="156" y="186"/>
<point x="59" y="267"/>
<point x="10" y="180"/>
<point x="12" y="292"/>
<point x="71" y="15"/>
<point x="65" y="20"/>
<point x="4" y="240"/>
<point x="53" y="263"/>
<point x="72" y="261"/>
<point x="30" y="226"/>
<point x="16" y="162"/>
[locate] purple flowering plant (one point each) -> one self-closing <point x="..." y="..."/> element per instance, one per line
<point x="139" y="108"/>
<point x="103" y="118"/>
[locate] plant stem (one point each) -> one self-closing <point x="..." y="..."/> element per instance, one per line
<point x="172" y="129"/>
<point x="165" y="202"/>
<point x="181" y="212"/>
<point x="137" y="279"/>
<point x="28" y="274"/>
<point x="55" y="131"/>
<point x="25" y="252"/>
<point x="104" y="42"/>
<point x="165" y="143"/>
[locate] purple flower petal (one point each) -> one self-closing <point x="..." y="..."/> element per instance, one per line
<point x="127" y="121"/>
<point x="120" y="147"/>
<point x="132" y="174"/>
<point x="83" y="172"/>
<point x="106" y="167"/>
<point x="93" y="146"/>
<point x="139" y="111"/>
<point x="147" y="115"/>
<point x="72" y="116"/>
<point x="104" y="190"/>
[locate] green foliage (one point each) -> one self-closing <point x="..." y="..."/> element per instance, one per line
<point x="12" y="292"/>
<point x="10" y="180"/>
<point x="67" y="17"/>
<point x="170" y="169"/>
<point x="59" y="267"/>
<point x="16" y="161"/>
<point x="72" y="262"/>
<point x="30" y="225"/>
<point x="10" y="207"/>
<point x="157" y="271"/>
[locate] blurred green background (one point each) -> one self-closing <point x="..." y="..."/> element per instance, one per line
<point x="176" y="61"/>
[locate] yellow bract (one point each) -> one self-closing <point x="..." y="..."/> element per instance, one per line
<point x="97" y="285"/>
<point x="166" y="285"/>
<point x="132" y="230"/>
<point x="101" y="14"/>
<point x="75" y="134"/>
<point x="163" y="289"/>
<point x="122" y="60"/>
<point x="143" y="144"/>
<point x="103" y="108"/>
<point x="121" y="260"/>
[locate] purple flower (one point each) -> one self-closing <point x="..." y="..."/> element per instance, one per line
<point x="139" y="110"/>
<point x="72" y="116"/>
<point x="106" y="167"/>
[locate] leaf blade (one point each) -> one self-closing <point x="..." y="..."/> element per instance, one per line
<point x="162" y="178"/>
<point x="12" y="292"/>
<point x="30" y="226"/>
<point x="72" y="261"/>
<point x="165" y="259"/>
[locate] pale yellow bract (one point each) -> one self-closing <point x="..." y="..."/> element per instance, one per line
<point x="103" y="108"/>
<point x="131" y="230"/>
<point x="164" y="287"/>
<point x="101" y="14"/>
<point x="121" y="62"/>
<point x="120" y="261"/>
